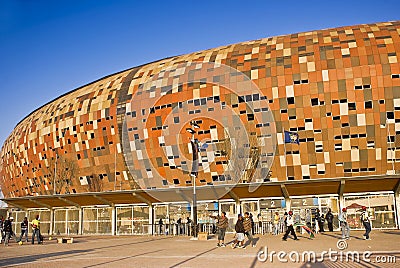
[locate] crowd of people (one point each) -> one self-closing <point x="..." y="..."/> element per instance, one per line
<point x="6" y="230"/>
<point x="244" y="226"/>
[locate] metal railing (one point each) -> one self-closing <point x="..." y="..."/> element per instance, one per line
<point x="185" y="229"/>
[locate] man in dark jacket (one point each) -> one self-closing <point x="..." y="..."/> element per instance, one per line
<point x="329" y="218"/>
<point x="222" y="224"/>
<point x="239" y="228"/>
<point x="289" y="224"/>
<point x="24" y="229"/>
<point x="8" y="230"/>
<point x="1" y="229"/>
<point x="248" y="224"/>
<point x="365" y="219"/>
<point x="320" y="220"/>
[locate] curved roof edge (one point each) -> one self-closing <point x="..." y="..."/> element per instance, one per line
<point x="138" y="66"/>
<point x="97" y="80"/>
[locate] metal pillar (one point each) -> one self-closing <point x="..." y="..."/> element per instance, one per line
<point x="238" y="207"/>
<point x="51" y="221"/>
<point x="288" y="202"/>
<point x="113" y="220"/>
<point x="80" y="226"/>
<point x="151" y="220"/>
<point x="397" y="206"/>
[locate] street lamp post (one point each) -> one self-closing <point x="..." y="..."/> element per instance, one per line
<point x="55" y="175"/>
<point x="193" y="173"/>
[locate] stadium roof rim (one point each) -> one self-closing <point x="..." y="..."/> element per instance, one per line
<point x="170" y="57"/>
<point x="289" y="189"/>
<point x="131" y="68"/>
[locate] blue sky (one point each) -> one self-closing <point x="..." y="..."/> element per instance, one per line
<point x="48" y="48"/>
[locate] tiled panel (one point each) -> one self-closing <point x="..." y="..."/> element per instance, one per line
<point x="339" y="89"/>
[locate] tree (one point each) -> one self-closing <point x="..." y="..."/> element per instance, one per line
<point x="63" y="171"/>
<point x="242" y="155"/>
<point x="95" y="183"/>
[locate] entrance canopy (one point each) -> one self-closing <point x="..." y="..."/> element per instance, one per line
<point x="284" y="189"/>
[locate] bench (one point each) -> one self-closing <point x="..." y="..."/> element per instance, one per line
<point x="202" y="236"/>
<point x="63" y="240"/>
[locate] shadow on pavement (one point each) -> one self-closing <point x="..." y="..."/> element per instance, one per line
<point x="121" y="245"/>
<point x="340" y="237"/>
<point x="391" y="232"/>
<point x="133" y="243"/>
<point x="65" y="254"/>
<point x="192" y="258"/>
<point x="255" y="241"/>
<point x="33" y="258"/>
<point x="121" y="259"/>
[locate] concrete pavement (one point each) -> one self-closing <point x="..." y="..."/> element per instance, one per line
<point x="168" y="251"/>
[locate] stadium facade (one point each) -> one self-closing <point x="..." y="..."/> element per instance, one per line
<point x="300" y="121"/>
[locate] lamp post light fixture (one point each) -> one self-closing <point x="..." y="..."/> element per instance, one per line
<point x="193" y="174"/>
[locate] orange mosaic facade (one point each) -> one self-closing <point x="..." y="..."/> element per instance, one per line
<point x="339" y="89"/>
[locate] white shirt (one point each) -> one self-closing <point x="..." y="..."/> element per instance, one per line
<point x="343" y="216"/>
<point x="365" y="216"/>
<point x="289" y="220"/>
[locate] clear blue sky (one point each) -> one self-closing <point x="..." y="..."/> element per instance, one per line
<point x="48" y="48"/>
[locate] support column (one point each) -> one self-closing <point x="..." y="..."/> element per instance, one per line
<point x="191" y="210"/>
<point x="341" y="195"/>
<point x="236" y="198"/>
<point x="151" y="220"/>
<point x="52" y="221"/>
<point x="288" y="202"/>
<point x="286" y="195"/>
<point x="238" y="207"/>
<point x="80" y="220"/>
<point x="113" y="220"/>
<point x="341" y="202"/>
<point x="397" y="206"/>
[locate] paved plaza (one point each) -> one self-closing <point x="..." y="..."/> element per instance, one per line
<point x="169" y="251"/>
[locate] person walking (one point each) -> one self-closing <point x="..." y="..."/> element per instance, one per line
<point x="309" y="219"/>
<point x="1" y="229"/>
<point x="289" y="224"/>
<point x="247" y="224"/>
<point x="179" y="222"/>
<point x="36" y="230"/>
<point x="260" y="224"/>
<point x="160" y="224"/>
<point x="329" y="218"/>
<point x="214" y="226"/>
<point x="190" y="229"/>
<point x="283" y="221"/>
<point x="222" y="224"/>
<point x="365" y="219"/>
<point x="24" y="229"/>
<point x="240" y="231"/>
<point x="343" y="224"/>
<point x="7" y="226"/>
<point x="320" y="220"/>
<point x="276" y="223"/>
<point x="253" y="229"/>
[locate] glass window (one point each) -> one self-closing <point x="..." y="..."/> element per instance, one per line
<point x="18" y="218"/>
<point x="230" y="209"/>
<point x="380" y="207"/>
<point x="97" y="220"/>
<point x="44" y="216"/>
<point x="132" y="220"/>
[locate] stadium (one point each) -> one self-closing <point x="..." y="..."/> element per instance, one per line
<point x="300" y="122"/>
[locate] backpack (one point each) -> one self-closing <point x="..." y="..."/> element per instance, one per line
<point x="7" y="226"/>
<point x="364" y="216"/>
